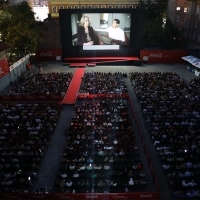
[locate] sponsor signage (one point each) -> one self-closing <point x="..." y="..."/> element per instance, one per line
<point x="16" y="64"/>
<point x="96" y="196"/>
<point x="4" y="68"/>
<point x="49" y="54"/>
<point x="162" y="56"/>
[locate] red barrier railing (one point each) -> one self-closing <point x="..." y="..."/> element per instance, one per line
<point x="96" y="196"/>
<point x="99" y="96"/>
<point x="31" y="97"/>
<point x="145" y="149"/>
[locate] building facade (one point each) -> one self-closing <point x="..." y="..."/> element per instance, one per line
<point x="185" y="15"/>
<point x="55" y="5"/>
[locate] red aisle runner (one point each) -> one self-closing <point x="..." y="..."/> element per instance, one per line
<point x="71" y="94"/>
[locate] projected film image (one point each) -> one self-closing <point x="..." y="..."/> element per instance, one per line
<point x="100" y="30"/>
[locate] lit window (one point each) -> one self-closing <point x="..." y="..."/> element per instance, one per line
<point x="178" y="8"/>
<point x="185" y="10"/>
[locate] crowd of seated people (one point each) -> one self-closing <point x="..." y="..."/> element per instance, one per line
<point x="53" y="83"/>
<point x="103" y="83"/>
<point x="171" y="108"/>
<point x="100" y="153"/>
<point x="195" y="83"/>
<point x="25" y="131"/>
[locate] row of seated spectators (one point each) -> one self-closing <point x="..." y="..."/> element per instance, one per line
<point x="53" y="83"/>
<point x="25" y="131"/>
<point x="103" y="83"/>
<point x="171" y="109"/>
<point x="101" y="153"/>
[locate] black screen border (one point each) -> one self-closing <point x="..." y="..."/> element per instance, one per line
<point x="69" y="50"/>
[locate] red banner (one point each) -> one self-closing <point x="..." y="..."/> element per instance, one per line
<point x="49" y="54"/>
<point x="99" y="96"/>
<point x="96" y="196"/>
<point x="4" y="67"/>
<point x="31" y="97"/>
<point x="162" y="56"/>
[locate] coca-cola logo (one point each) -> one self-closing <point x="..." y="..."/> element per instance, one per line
<point x="91" y="197"/>
<point x="117" y="196"/>
<point x="146" y="195"/>
<point x="49" y="54"/>
<point x="156" y="55"/>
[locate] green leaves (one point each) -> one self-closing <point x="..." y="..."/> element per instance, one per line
<point x="19" y="29"/>
<point x="156" y="33"/>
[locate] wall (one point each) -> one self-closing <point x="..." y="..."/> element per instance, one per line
<point x="162" y="56"/>
<point x="15" y="72"/>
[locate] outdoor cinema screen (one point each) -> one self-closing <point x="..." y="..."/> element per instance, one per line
<point x="85" y="31"/>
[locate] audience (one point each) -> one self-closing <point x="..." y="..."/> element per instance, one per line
<point x="105" y="147"/>
<point x="42" y="83"/>
<point x="103" y="83"/>
<point x="25" y="131"/>
<point x="171" y="110"/>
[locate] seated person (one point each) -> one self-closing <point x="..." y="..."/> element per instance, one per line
<point x="115" y="35"/>
<point x="85" y="34"/>
<point x="69" y="183"/>
<point x="131" y="182"/>
<point x="75" y="175"/>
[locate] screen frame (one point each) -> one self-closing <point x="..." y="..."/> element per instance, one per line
<point x="133" y="49"/>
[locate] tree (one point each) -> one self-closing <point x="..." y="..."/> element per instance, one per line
<point x="156" y="33"/>
<point x="19" y="29"/>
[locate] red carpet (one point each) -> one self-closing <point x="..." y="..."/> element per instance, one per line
<point x="71" y="94"/>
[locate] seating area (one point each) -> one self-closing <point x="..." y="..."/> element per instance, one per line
<point x="25" y="132"/>
<point x="103" y="83"/>
<point x="171" y="109"/>
<point x="100" y="154"/>
<point x="52" y="83"/>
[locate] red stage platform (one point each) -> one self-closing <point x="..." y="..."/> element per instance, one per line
<point x="92" y="61"/>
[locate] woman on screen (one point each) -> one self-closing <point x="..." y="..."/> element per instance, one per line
<point x="85" y="34"/>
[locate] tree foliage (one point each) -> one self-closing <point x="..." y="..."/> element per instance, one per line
<point x="19" y="29"/>
<point x="156" y="32"/>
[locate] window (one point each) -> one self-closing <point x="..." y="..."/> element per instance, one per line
<point x="76" y="7"/>
<point x="69" y="7"/>
<point x="198" y="37"/>
<point x="186" y="23"/>
<point x="54" y="9"/>
<point x="178" y="8"/>
<point x="110" y="6"/>
<point x="83" y="7"/>
<point x="185" y="9"/>
<point x="123" y="6"/>
<point x="61" y="7"/>
<point x="176" y="19"/>
<point x="185" y="34"/>
<point x="195" y="25"/>
<point x="194" y="36"/>
<point x="103" y="6"/>
<point x="130" y="6"/>
<point x="188" y="9"/>
<point x="96" y="6"/>
<point x="197" y="11"/>
<point x="116" y="6"/>
<point x="89" y="6"/>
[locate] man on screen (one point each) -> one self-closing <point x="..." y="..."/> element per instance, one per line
<point x="116" y="33"/>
